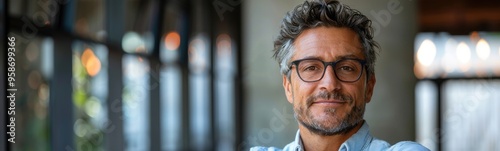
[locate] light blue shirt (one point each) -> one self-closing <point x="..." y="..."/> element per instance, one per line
<point x="360" y="141"/>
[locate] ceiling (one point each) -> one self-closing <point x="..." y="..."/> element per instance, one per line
<point x="459" y="16"/>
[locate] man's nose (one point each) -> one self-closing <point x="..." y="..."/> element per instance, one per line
<point x="329" y="82"/>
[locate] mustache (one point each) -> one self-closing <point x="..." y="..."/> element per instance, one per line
<point x="328" y="96"/>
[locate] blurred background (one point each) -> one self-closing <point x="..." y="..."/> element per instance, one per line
<point x="142" y="75"/>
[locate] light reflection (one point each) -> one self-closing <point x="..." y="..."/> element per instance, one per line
<point x="86" y="55"/>
<point x="463" y="53"/>
<point x="426" y="52"/>
<point x="93" y="107"/>
<point x="131" y="41"/>
<point x="474" y="36"/>
<point x="197" y="53"/>
<point x="483" y="49"/>
<point x="90" y="61"/>
<point x="80" y="128"/>
<point x="448" y="60"/>
<point x="172" y="41"/>
<point x="224" y="45"/>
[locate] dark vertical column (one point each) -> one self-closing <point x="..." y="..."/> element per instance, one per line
<point x="440" y="131"/>
<point x="154" y="80"/>
<point x="185" y="32"/>
<point x="113" y="132"/>
<point x="61" y="104"/>
<point x="114" y="24"/>
<point x="238" y="81"/>
<point x="3" y="86"/>
<point x="114" y="21"/>
<point x="154" y="102"/>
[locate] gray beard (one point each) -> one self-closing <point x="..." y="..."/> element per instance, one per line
<point x="342" y="128"/>
<point x="350" y="121"/>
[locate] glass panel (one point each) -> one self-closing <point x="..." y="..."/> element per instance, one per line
<point x="471" y="115"/>
<point x="90" y="92"/>
<point x="136" y="103"/>
<point x="224" y="97"/>
<point x="89" y="20"/>
<point x="33" y="64"/>
<point x="171" y="107"/>
<point x="171" y="95"/>
<point x="426" y="114"/>
<point x="200" y="102"/>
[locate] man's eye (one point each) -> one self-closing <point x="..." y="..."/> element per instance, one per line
<point x="346" y="68"/>
<point x="311" y="68"/>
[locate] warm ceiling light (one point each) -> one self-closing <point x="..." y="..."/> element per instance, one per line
<point x="426" y="52"/>
<point x="172" y="40"/>
<point x="463" y="53"/>
<point x="483" y="49"/>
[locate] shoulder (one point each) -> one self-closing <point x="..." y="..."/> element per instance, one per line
<point x="290" y="147"/>
<point x="407" y="146"/>
<point x="261" y="148"/>
<point x="377" y="144"/>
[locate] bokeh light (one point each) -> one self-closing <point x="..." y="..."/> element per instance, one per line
<point x="483" y="49"/>
<point x="426" y="52"/>
<point x="132" y="42"/>
<point x="463" y="56"/>
<point x="224" y="45"/>
<point x="91" y="63"/>
<point x="93" y="107"/>
<point x="463" y="53"/>
<point x="172" y="41"/>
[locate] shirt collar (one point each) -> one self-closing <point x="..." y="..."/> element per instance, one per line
<point x="359" y="141"/>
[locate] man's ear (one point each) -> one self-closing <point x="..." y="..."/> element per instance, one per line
<point x="369" y="87"/>
<point x="287" y="85"/>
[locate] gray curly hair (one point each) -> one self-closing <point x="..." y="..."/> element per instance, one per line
<point x="327" y="13"/>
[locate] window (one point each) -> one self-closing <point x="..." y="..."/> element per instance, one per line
<point x="457" y="107"/>
<point x="127" y="75"/>
<point x="89" y="94"/>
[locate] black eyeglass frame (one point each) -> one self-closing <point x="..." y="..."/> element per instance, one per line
<point x="326" y="64"/>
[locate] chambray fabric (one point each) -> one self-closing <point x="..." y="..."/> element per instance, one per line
<point x="360" y="141"/>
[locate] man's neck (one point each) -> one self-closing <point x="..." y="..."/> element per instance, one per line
<point x="312" y="141"/>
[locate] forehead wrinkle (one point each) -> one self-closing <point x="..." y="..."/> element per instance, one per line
<point x="336" y="58"/>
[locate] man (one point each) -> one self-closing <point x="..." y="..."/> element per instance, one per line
<point x="326" y="54"/>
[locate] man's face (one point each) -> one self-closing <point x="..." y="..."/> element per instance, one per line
<point x="328" y="106"/>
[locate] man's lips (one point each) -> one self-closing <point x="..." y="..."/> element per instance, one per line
<point x="329" y="102"/>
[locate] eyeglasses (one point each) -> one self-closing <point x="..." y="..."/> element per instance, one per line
<point x="312" y="70"/>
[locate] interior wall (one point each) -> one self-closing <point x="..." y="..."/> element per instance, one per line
<point x="390" y="114"/>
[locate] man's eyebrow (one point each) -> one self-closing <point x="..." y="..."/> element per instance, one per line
<point x="350" y="56"/>
<point x="310" y="57"/>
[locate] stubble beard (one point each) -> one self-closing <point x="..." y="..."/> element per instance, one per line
<point x="336" y="125"/>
